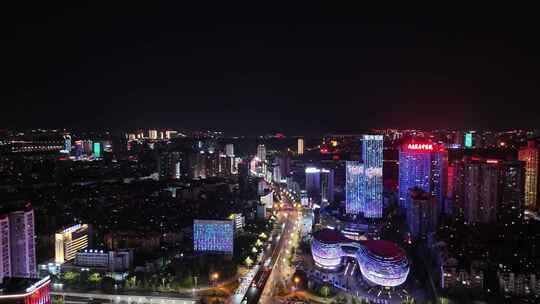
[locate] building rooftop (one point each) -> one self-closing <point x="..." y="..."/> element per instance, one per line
<point x="329" y="236"/>
<point x="384" y="248"/>
<point x="21" y="286"/>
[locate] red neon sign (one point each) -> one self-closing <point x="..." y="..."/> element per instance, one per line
<point x="492" y="161"/>
<point x="420" y="147"/>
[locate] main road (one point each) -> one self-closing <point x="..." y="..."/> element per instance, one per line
<point x="274" y="261"/>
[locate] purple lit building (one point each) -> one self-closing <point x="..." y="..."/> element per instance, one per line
<point x="381" y="262"/>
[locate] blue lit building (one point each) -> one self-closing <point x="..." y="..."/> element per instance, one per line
<point x="213" y="236"/>
<point x="422" y="165"/>
<point x="354" y="187"/>
<point x="313" y="183"/>
<point x="372" y="156"/>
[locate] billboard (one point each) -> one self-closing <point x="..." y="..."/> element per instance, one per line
<point x="213" y="236"/>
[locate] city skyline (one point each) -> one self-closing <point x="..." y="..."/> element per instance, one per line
<point x="243" y="153"/>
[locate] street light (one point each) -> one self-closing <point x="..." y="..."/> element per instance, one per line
<point x="215" y="277"/>
<point x="296" y="281"/>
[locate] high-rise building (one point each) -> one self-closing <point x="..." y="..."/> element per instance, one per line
<point x="17" y="244"/>
<point x="489" y="190"/>
<point x="169" y="165"/>
<point x="22" y="241"/>
<point x="423" y="164"/>
<point x="354" y="187"/>
<point x="468" y="140"/>
<point x="513" y="191"/>
<point x="422" y="213"/>
<point x="530" y="156"/>
<point x="481" y="190"/>
<point x="300" y="146"/>
<point x="313" y="183"/>
<point x="169" y="134"/>
<point x="97" y="149"/>
<point x="67" y="143"/>
<point x="197" y="165"/>
<point x="69" y="241"/>
<point x="229" y="150"/>
<point x="327" y="186"/>
<point x="5" y="252"/>
<point x="372" y="156"/>
<point x="285" y="164"/>
<point x="153" y="134"/>
<point x="261" y="152"/>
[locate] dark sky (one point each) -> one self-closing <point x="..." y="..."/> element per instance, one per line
<point x="246" y="68"/>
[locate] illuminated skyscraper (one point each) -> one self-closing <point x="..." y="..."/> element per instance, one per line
<point x="313" y="182"/>
<point x="169" y="134"/>
<point x="530" y="155"/>
<point x="169" y="165"/>
<point x="510" y="207"/>
<point x="229" y="150"/>
<point x="261" y="152"/>
<point x="67" y="143"/>
<point x="468" y="140"/>
<point x="372" y="156"/>
<point x="327" y="186"/>
<point x="300" y="146"/>
<point x="354" y="187"/>
<point x="97" y="149"/>
<point x="17" y="244"/>
<point x="424" y="165"/>
<point x="5" y="252"/>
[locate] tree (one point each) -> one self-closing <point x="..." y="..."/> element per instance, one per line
<point x="131" y="281"/>
<point x="248" y="261"/>
<point x="325" y="291"/>
<point x="70" y="277"/>
<point x="95" y="278"/>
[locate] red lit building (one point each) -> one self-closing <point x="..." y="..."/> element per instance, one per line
<point x="15" y="290"/>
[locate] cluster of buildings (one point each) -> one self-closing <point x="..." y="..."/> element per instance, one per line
<point x="364" y="183"/>
<point x="18" y="278"/>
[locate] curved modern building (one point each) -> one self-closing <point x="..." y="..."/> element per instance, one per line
<point x="326" y="248"/>
<point x="381" y="262"/>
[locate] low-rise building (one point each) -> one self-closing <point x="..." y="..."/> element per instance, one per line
<point x="112" y="261"/>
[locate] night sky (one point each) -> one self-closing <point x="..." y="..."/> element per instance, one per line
<point x="255" y="69"/>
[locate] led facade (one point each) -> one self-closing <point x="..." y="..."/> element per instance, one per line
<point x="326" y="256"/>
<point x="468" y="140"/>
<point x="381" y="262"/>
<point x="530" y="155"/>
<point x="372" y="156"/>
<point x="422" y="165"/>
<point x="355" y="187"/>
<point x="25" y="290"/>
<point x="213" y="236"/>
<point x="97" y="149"/>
